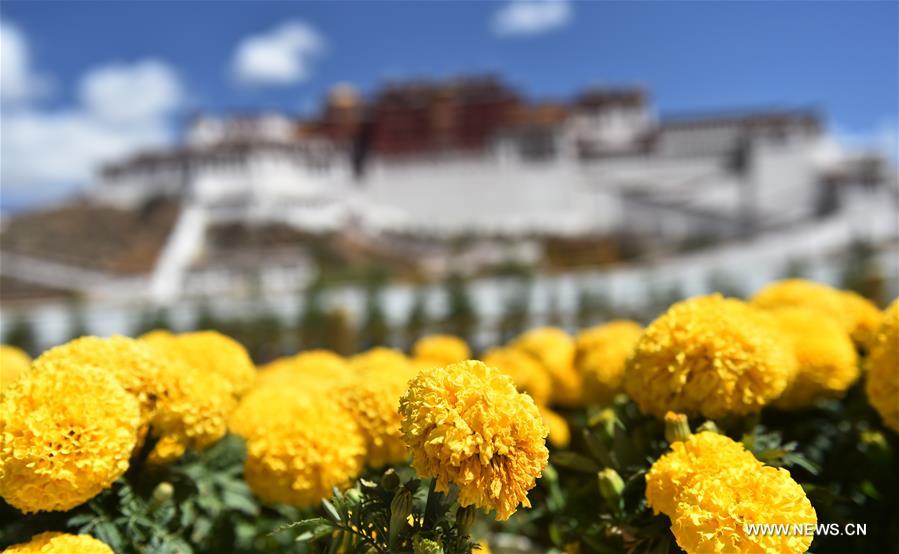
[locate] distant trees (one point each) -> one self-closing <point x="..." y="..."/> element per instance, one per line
<point x="461" y="317"/>
<point x="77" y="324"/>
<point x="375" y="330"/>
<point x="795" y="269"/>
<point x="21" y="334"/>
<point x="724" y="282"/>
<point x="862" y="273"/>
<point x="592" y="308"/>
<point x="340" y="332"/>
<point x="311" y="319"/>
<point x="151" y="319"/>
<point x="516" y="311"/>
<point x="417" y="322"/>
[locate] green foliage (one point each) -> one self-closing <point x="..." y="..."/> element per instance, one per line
<point x="375" y="330"/>
<point x="795" y="268"/>
<point x="151" y="319"/>
<point x="339" y="332"/>
<point x="206" y="319"/>
<point x="554" y="315"/>
<point x="516" y="311"/>
<point x="837" y="451"/>
<point x="198" y="504"/>
<point x="726" y="283"/>
<point x="21" y="334"/>
<point x="854" y="463"/>
<point x="417" y="322"/>
<point x="592" y="307"/>
<point x="461" y="318"/>
<point x="129" y="522"/>
<point x="374" y="517"/>
<point x="77" y="323"/>
<point x="862" y="273"/>
<point x="570" y="506"/>
<point x="312" y="317"/>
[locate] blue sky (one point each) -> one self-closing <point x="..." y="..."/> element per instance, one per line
<point x="157" y="61"/>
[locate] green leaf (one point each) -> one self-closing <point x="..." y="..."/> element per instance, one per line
<point x="331" y="511"/>
<point x="240" y="503"/>
<point x="315" y="533"/>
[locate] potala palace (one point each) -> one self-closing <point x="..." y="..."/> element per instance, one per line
<point x="473" y="157"/>
<point x="406" y="175"/>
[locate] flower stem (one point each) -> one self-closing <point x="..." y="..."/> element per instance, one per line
<point x="431" y="505"/>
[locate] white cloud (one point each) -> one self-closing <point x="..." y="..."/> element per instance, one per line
<point x="17" y="81"/>
<point x="46" y="153"/>
<point x="531" y="17"/>
<point x="130" y="93"/>
<point x="122" y="108"/>
<point x="280" y="57"/>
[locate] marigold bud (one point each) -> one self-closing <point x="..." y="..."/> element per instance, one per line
<point x="605" y="419"/>
<point x="421" y="545"/>
<point x="708" y="426"/>
<point x="390" y="481"/>
<point x="400" y="509"/>
<point x="401" y="505"/>
<point x="465" y="517"/>
<point x="610" y="486"/>
<point x="874" y="438"/>
<point x="677" y="428"/>
<point x="161" y="494"/>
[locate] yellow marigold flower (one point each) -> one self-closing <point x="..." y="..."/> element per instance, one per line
<point x="827" y="359"/>
<point x="302" y="450"/>
<point x="466" y="424"/>
<point x="167" y="449"/>
<point x="135" y="365"/>
<point x="440" y="350"/>
<point x="373" y="400"/>
<point x="64" y="439"/>
<point x="310" y="368"/>
<point x="709" y="355"/>
<point x="13" y="363"/>
<point x="192" y="412"/>
<point x="882" y="384"/>
<point x="60" y="543"/>
<point x="700" y="454"/>
<point x="255" y="408"/>
<point x="559" y="432"/>
<point x="713" y="512"/>
<point x="196" y="407"/>
<point x="379" y="358"/>
<point x="601" y="354"/>
<point x="855" y="314"/>
<point x="526" y="372"/>
<point x="555" y="350"/>
<point x="710" y="487"/>
<point x="210" y="352"/>
<point x="865" y="318"/>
